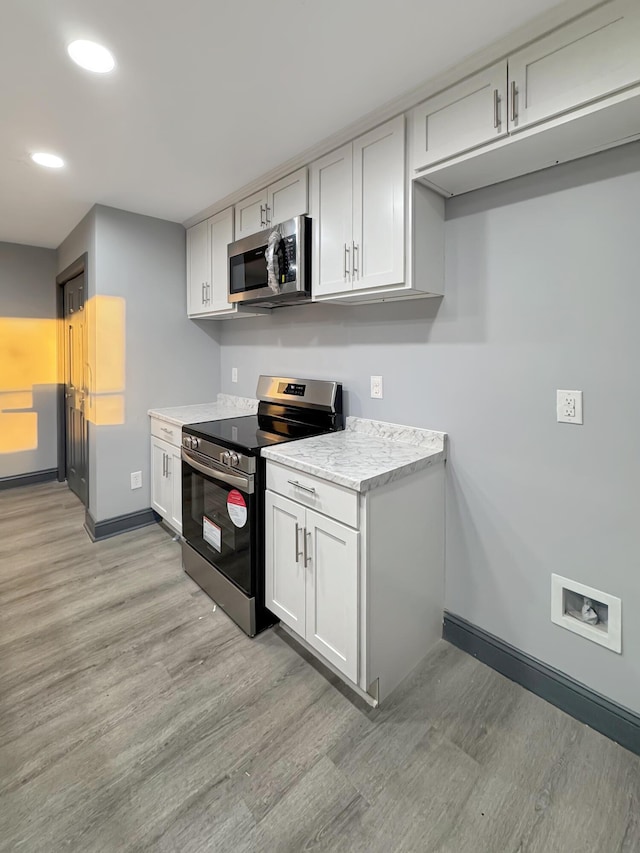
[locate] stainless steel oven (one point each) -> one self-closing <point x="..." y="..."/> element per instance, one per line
<point x="219" y="523"/>
<point x="223" y="487"/>
<point x="272" y="267"/>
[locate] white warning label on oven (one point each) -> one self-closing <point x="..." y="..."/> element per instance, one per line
<point x="237" y="508"/>
<point x="211" y="533"/>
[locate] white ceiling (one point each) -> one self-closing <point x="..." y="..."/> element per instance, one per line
<point x="206" y="96"/>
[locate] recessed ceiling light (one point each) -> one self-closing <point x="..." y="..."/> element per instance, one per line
<point x="92" y="56"/>
<point x="51" y="161"/>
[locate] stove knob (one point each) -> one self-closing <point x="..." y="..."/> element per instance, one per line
<point x="226" y="457"/>
<point x="195" y="443"/>
<point x="234" y="459"/>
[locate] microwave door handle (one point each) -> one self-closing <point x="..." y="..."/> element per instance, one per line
<point x="237" y="480"/>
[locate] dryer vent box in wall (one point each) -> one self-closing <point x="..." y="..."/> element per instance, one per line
<point x="572" y="602"/>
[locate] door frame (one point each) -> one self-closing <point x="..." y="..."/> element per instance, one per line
<point x="80" y="265"/>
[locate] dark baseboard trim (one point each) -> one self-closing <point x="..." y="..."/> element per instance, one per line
<point x="29" y="479"/>
<point x="120" y="524"/>
<point x="587" y="706"/>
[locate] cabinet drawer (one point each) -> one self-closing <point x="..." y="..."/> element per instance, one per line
<point x="327" y="498"/>
<point x="167" y="432"/>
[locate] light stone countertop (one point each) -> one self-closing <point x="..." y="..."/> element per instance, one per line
<point x="227" y="406"/>
<point x="365" y="455"/>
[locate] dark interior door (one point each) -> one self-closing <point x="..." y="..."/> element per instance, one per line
<point x="75" y="390"/>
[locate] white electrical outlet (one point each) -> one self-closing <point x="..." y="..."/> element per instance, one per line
<point x="569" y="407"/>
<point x="376" y="387"/>
<point x="136" y="479"/>
<point x="234" y="374"/>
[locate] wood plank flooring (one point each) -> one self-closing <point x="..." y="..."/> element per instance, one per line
<point x="134" y="717"/>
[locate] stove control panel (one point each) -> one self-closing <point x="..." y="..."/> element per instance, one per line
<point x="191" y="442"/>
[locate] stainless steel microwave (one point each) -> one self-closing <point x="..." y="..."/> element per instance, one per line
<point x="272" y="267"/>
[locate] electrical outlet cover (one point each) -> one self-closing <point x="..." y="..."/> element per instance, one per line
<point x="569" y="407"/>
<point x="376" y="387"/>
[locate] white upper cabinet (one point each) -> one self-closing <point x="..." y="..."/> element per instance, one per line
<point x="208" y="268"/>
<point x="220" y="235"/>
<point x="377" y="258"/>
<point x="586" y="60"/>
<point x="251" y="214"/>
<point x="332" y="221"/>
<point x="288" y="197"/>
<point x="461" y="118"/>
<point x="283" y="200"/>
<point x="198" y="268"/>
<point x="357" y="210"/>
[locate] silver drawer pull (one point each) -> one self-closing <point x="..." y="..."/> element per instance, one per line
<point x="300" y="486"/>
<point x="169" y="431"/>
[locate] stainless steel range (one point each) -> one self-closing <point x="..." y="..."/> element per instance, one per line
<point x="223" y="484"/>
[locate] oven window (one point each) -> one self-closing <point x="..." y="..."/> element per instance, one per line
<point x="248" y="271"/>
<point x="218" y="521"/>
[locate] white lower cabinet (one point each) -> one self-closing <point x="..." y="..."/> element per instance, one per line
<point x="161" y="496"/>
<point x="358" y="578"/>
<point x="166" y="473"/>
<point x="332" y="591"/>
<point x="312" y="579"/>
<point x="285" y="580"/>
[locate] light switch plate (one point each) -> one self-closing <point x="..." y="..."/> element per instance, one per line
<point x="569" y="407"/>
<point x="136" y="479"/>
<point x="234" y="374"/>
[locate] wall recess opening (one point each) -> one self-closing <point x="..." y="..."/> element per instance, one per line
<point x="589" y="612"/>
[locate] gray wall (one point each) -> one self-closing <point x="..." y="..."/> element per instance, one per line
<point x="541" y="293"/>
<point x="28" y="291"/>
<point x="170" y="360"/>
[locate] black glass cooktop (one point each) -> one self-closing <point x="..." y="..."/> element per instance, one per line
<point x="252" y="432"/>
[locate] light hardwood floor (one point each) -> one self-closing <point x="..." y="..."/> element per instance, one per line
<point x="134" y="717"/>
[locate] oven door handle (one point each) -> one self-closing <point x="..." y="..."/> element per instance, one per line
<point x="238" y="480"/>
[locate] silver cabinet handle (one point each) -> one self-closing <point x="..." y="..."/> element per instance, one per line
<point x="208" y="292"/>
<point x="298" y="552"/>
<point x="262" y="216"/>
<point x="307" y="559"/>
<point x="267" y="216"/>
<point x="300" y="486"/>
<point x="356" y="248"/>
<point x="167" y="430"/>
<point x="514" y="95"/>
<point x="347" y="265"/>
<point x="496" y="113"/>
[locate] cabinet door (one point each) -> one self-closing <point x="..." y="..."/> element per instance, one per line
<point x="284" y="564"/>
<point x="251" y="214"/>
<point x="288" y="197"/>
<point x="587" y="59"/>
<point x="332" y="592"/>
<point x="220" y="235"/>
<point x="378" y="206"/>
<point x="160" y="481"/>
<point x="198" y="268"/>
<point x="331" y="213"/>
<point x="175" y="488"/>
<point x="461" y="118"/>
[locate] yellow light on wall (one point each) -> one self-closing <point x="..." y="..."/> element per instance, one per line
<point x="28" y="357"/>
